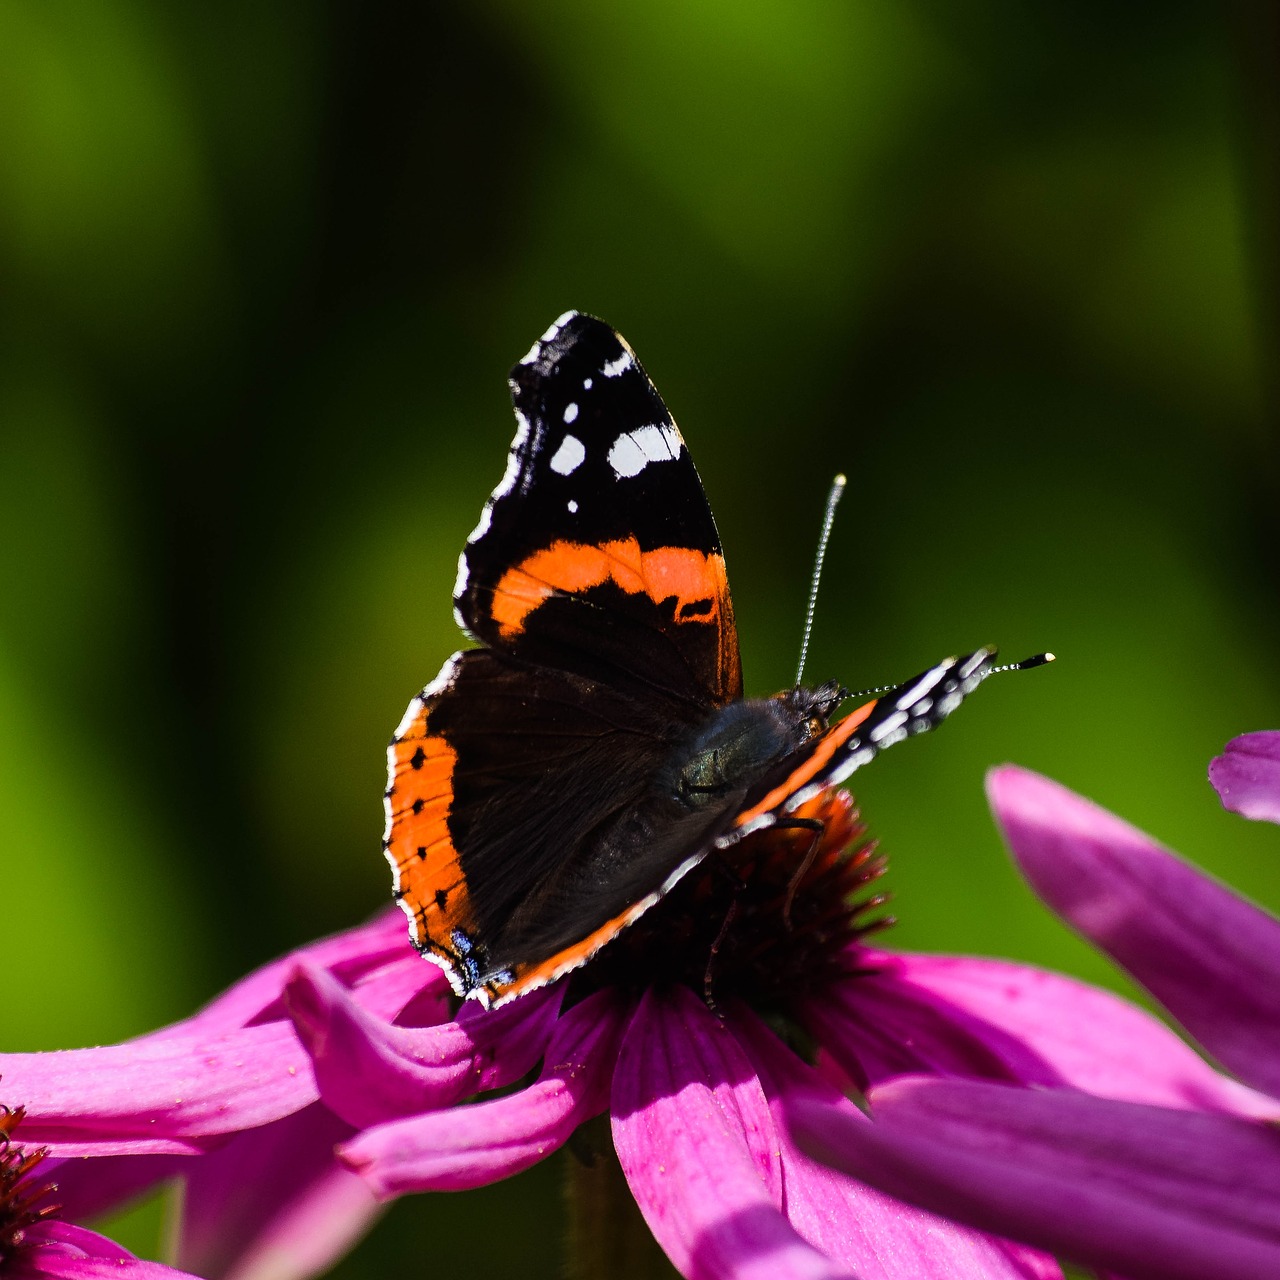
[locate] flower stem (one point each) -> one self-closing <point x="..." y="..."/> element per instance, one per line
<point x="607" y="1235"/>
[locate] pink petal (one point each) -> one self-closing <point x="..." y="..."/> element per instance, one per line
<point x="1210" y="957"/>
<point x="1045" y="1029"/>
<point x="274" y="1203"/>
<point x="1247" y="775"/>
<point x="61" y="1249"/>
<point x="59" y="1236"/>
<point x="369" y="1071"/>
<point x="877" y="1237"/>
<point x="349" y="956"/>
<point x="41" y="1263"/>
<point x="878" y="1026"/>
<point x="471" y="1146"/>
<point x="161" y="1096"/>
<point x="1149" y="1192"/>
<point x="408" y="990"/>
<point x="695" y="1137"/>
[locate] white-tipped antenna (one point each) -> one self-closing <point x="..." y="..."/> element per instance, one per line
<point x="833" y="500"/>
<point x="1036" y="660"/>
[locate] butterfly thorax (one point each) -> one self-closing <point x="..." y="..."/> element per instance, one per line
<point x="672" y="819"/>
<point x="742" y="742"/>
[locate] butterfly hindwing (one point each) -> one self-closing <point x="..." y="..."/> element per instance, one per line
<point x="523" y="825"/>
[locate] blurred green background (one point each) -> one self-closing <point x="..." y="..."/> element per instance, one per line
<point x="263" y="269"/>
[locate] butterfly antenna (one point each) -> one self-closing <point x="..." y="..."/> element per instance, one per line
<point x="1036" y="660"/>
<point x="833" y="500"/>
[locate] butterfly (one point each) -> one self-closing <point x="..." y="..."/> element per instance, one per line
<point x="554" y="782"/>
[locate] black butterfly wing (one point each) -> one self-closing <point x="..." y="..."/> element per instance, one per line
<point x="597" y="553"/>
<point x="523" y="827"/>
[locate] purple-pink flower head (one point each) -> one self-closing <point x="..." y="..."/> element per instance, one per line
<point x="1187" y="1189"/>
<point x="807" y="1011"/>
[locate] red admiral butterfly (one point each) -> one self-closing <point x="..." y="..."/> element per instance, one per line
<point x="551" y="785"/>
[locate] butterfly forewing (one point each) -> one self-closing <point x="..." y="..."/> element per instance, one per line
<point x="597" y="553"/>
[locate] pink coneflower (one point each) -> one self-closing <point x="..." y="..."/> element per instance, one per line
<point x="807" y="1011"/>
<point x="355" y="1042"/>
<point x="226" y="1102"/>
<point x="1188" y="1189"/>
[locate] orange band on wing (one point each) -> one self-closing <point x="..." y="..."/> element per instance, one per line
<point x="695" y="579"/>
<point x="835" y="738"/>
<point x="429" y="879"/>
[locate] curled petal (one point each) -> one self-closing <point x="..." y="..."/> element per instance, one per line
<point x="877" y="1237"/>
<point x="471" y="1146"/>
<point x="1210" y="957"/>
<point x="696" y="1141"/>
<point x="1148" y="1191"/>
<point x="400" y="991"/>
<point x="164" y="1096"/>
<point x="369" y="1071"/>
<point x="1247" y="775"/>
<point x="273" y="1203"/>
<point x="1047" y="1029"/>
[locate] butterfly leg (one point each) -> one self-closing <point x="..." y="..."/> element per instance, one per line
<point x="738" y="884"/>
<point x="819" y="829"/>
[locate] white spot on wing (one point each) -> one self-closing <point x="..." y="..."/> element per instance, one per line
<point x="508" y="481"/>
<point x="512" y="472"/>
<point x="460" y="582"/>
<point x="573" y="505"/>
<point x="615" y="367"/>
<point x="631" y="452"/>
<point x="556" y="325"/>
<point x="568" y="457"/>
<point x="411" y="712"/>
<point x="486" y="517"/>
<point x="586" y="384"/>
<point x="444" y="679"/>
<point x="570" y="412"/>
<point x="948" y="704"/>
<point x="924" y="685"/>
<point x="890" y="725"/>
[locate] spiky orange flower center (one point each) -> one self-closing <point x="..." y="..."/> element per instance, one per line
<point x="24" y="1199"/>
<point x="767" y="920"/>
